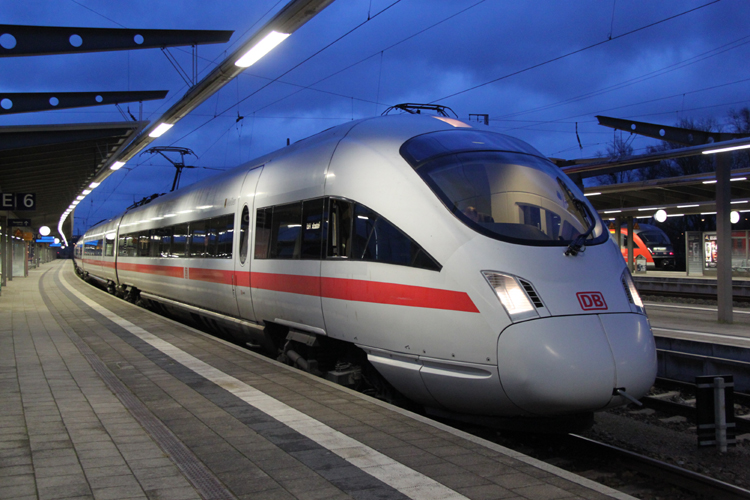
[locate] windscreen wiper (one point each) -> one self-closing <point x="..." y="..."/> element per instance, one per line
<point x="577" y="244"/>
<point x="580" y="241"/>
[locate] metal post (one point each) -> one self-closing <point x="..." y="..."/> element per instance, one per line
<point x="720" y="414"/>
<point x="11" y="251"/>
<point x="618" y="232"/>
<point x="723" y="239"/>
<point x="3" y="250"/>
<point x="631" y="228"/>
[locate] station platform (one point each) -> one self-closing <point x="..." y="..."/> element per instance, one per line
<point x="657" y="282"/>
<point x="105" y="400"/>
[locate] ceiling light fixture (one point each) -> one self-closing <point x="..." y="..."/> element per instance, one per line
<point x="266" y="45"/>
<point x="724" y="150"/>
<point x="160" y="130"/>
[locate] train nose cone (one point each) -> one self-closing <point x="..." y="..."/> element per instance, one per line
<point x="569" y="364"/>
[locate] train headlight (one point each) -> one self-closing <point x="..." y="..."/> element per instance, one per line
<point x="630" y="290"/>
<point x="512" y="295"/>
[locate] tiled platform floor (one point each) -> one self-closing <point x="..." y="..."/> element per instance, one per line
<point x="101" y="399"/>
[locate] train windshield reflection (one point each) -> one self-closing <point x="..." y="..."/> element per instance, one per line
<point x="511" y="196"/>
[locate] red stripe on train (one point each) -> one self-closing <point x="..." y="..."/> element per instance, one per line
<point x="366" y="291"/>
<point x="331" y="288"/>
<point x="103" y="263"/>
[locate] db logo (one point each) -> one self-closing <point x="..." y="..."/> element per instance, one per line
<point x="591" y="301"/>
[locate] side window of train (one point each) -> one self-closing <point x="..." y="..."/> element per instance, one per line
<point x="312" y="229"/>
<point x="244" y="233"/>
<point x="220" y="237"/>
<point x="109" y="245"/>
<point x="197" y="239"/>
<point x="340" y="229"/>
<point x="127" y="245"/>
<point x="263" y="219"/>
<point x="179" y="241"/>
<point x="358" y="233"/>
<point x="291" y="231"/>
<point x="144" y="238"/>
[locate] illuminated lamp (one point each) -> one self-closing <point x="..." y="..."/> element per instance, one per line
<point x="44" y="230"/>
<point x="117" y="165"/>
<point x="660" y="215"/>
<point x="160" y="130"/>
<point x="724" y="150"/>
<point x="260" y="49"/>
<point x="734" y="217"/>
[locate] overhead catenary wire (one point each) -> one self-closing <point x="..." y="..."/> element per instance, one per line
<point x="577" y="51"/>
<point x="294" y="67"/>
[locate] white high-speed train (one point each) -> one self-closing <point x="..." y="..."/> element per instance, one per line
<point x="460" y="264"/>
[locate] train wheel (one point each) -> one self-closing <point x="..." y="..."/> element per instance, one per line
<point x="132" y="295"/>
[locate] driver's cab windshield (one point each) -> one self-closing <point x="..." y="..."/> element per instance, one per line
<point x="511" y="194"/>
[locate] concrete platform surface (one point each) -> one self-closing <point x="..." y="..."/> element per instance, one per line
<point x="104" y="400"/>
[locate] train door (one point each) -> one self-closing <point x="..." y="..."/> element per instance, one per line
<point x="243" y="243"/>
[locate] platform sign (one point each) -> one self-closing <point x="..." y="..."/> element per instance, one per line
<point x="17" y="201"/>
<point x="19" y="222"/>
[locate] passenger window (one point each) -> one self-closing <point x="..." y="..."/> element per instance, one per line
<point x="109" y="248"/>
<point x="286" y="231"/>
<point x="127" y="245"/>
<point x="362" y="234"/>
<point x="263" y="221"/>
<point x="197" y="247"/>
<point x="143" y="243"/>
<point x="222" y="229"/>
<point x="165" y="233"/>
<point x="312" y="228"/>
<point x="340" y="229"/>
<point x="179" y="240"/>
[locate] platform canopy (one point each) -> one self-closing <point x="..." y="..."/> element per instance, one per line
<point x="57" y="161"/>
<point x="684" y="195"/>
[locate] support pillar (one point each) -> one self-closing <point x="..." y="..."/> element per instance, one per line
<point x="631" y="259"/>
<point x="723" y="238"/>
<point x="4" y="249"/>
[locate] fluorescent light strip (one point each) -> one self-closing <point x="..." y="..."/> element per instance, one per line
<point x="737" y="179"/>
<point x="261" y="48"/>
<point x="116" y="165"/>
<point x="591" y="194"/>
<point x="738" y="202"/>
<point x="687" y="206"/>
<point x="710" y="182"/>
<point x="724" y="150"/>
<point x="675" y="215"/>
<point x="613" y="211"/>
<point x="160" y="130"/>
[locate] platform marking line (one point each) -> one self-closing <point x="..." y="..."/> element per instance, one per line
<point x="411" y="483"/>
<point x="692" y="308"/>
<point x="706" y="334"/>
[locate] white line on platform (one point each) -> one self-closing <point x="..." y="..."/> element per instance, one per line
<point x="693" y="308"/>
<point x="707" y="334"/>
<point x="400" y="477"/>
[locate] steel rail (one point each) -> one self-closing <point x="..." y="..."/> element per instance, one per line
<point x="682" y="478"/>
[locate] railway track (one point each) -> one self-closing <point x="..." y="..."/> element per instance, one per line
<point x="682" y="481"/>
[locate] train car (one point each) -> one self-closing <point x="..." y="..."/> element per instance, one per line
<point x="650" y="242"/>
<point x="458" y="265"/>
